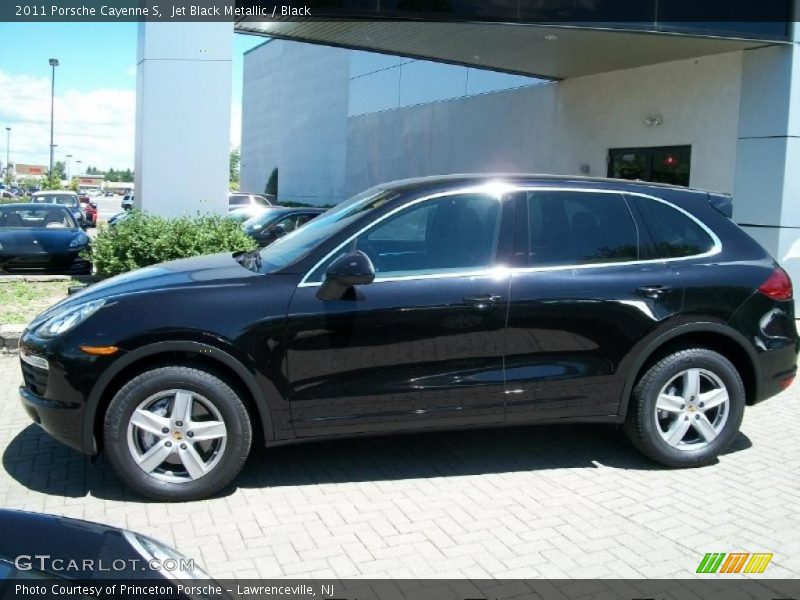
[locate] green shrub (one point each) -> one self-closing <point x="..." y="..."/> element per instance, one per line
<point x="143" y="239"/>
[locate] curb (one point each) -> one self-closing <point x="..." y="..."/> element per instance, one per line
<point x="9" y="337"/>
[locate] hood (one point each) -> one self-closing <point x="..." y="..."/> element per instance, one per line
<point x="37" y="240"/>
<point x="199" y="271"/>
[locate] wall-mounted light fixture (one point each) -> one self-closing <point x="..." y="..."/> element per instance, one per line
<point x="653" y="120"/>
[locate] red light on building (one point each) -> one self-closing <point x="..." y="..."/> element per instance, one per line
<point x="671" y="160"/>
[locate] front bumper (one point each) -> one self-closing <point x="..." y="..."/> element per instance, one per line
<point x="63" y="422"/>
<point x="71" y="263"/>
<point x="56" y="385"/>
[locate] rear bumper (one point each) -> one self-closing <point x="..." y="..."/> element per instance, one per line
<point x="770" y="327"/>
<point x="778" y="369"/>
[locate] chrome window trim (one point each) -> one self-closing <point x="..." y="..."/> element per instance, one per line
<point x="500" y="189"/>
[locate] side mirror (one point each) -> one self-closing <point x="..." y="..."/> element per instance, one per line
<point x="345" y="272"/>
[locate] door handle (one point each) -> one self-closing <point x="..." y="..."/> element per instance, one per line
<point x="654" y="292"/>
<point x="482" y="301"/>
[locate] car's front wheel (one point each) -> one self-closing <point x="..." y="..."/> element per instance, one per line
<point x="687" y="408"/>
<point x="177" y="433"/>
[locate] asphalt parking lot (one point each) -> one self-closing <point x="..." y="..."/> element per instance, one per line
<point x="566" y="501"/>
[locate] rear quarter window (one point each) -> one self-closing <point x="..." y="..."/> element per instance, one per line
<point x="670" y="232"/>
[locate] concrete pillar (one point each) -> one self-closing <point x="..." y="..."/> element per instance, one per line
<point x="183" y="111"/>
<point x="767" y="184"/>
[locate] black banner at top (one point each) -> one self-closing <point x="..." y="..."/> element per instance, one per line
<point x="768" y="16"/>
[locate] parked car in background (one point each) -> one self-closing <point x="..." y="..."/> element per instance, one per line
<point x="108" y="194"/>
<point x="35" y="547"/>
<point x="127" y="202"/>
<point x="64" y="198"/>
<point x="277" y="222"/>
<point x="41" y="238"/>
<point x="424" y="304"/>
<point x="7" y="194"/>
<point x="244" y="200"/>
<point x="89" y="209"/>
<point x="118" y="218"/>
<point x="240" y="215"/>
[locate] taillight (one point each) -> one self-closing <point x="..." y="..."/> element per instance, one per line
<point x="778" y="286"/>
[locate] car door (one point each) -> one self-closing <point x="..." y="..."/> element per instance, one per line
<point x="422" y="345"/>
<point x="586" y="298"/>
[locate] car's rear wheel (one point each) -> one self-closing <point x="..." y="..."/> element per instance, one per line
<point x="177" y="433"/>
<point x="687" y="408"/>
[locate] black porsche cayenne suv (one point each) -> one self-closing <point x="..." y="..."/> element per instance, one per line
<point x="450" y="302"/>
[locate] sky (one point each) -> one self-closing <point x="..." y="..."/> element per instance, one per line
<point x="95" y="92"/>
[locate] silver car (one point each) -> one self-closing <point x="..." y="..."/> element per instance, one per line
<point x="245" y="200"/>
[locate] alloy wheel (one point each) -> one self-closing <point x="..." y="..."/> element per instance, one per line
<point x="176" y="436"/>
<point x="691" y="409"/>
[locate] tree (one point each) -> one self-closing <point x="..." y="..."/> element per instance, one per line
<point x="28" y="182"/>
<point x="90" y="170"/>
<point x="51" y="181"/>
<point x="234" y="161"/>
<point x="73" y="185"/>
<point x="59" y="171"/>
<point x="272" y="183"/>
<point x="126" y="175"/>
<point x="111" y="175"/>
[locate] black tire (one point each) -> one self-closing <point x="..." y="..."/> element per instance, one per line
<point x="212" y="389"/>
<point x="641" y="424"/>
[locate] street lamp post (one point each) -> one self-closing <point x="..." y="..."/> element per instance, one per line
<point x="8" y="154"/>
<point x="53" y="64"/>
<point x="69" y="170"/>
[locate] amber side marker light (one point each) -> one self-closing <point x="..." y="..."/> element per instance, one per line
<point x="99" y="350"/>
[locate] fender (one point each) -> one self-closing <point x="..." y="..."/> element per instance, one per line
<point x="644" y="353"/>
<point x="133" y="356"/>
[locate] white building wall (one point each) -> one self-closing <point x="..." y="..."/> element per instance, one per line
<point x="297" y="98"/>
<point x="557" y="128"/>
<point x="294" y="117"/>
<point x="379" y="82"/>
<point x="696" y="100"/>
<point x="183" y="107"/>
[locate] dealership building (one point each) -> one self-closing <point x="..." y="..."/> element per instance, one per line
<point x="338" y="106"/>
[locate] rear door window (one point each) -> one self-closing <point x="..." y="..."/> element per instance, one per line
<point x="579" y="228"/>
<point x="670" y="233"/>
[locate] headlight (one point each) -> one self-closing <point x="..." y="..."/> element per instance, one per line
<point x="79" y="240"/>
<point x="168" y="561"/>
<point x="66" y="320"/>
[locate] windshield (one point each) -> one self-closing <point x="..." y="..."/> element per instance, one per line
<point x="48" y="217"/>
<point x="301" y="241"/>
<point x="64" y="199"/>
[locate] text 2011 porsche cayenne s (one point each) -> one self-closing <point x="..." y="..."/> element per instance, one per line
<point x="434" y="303"/>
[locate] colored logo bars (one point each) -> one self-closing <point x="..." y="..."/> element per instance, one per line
<point x="735" y="562"/>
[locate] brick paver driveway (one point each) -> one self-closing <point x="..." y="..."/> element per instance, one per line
<point x="563" y="501"/>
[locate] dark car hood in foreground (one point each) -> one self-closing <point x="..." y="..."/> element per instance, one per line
<point x="15" y="241"/>
<point x="31" y="534"/>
